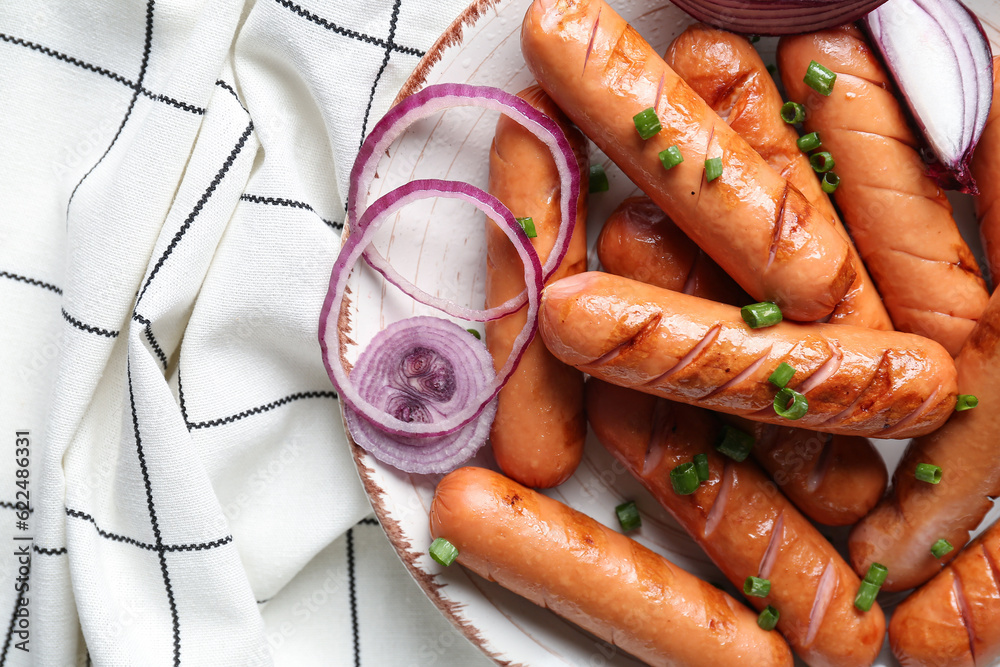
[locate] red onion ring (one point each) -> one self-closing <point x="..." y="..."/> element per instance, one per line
<point x="437" y="98"/>
<point x="370" y="222"/>
<point x="777" y="17"/>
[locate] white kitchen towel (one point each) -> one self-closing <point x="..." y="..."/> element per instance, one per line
<point x="173" y="176"/>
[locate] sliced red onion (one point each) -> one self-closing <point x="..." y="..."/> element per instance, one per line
<point x="442" y="422"/>
<point x="777" y="17"/>
<point x="404" y="372"/>
<point x="939" y="56"/>
<point x="444" y="96"/>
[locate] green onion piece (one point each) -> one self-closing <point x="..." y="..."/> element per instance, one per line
<point x="647" y="123"/>
<point x="941" y="547"/>
<point x="763" y="314"/>
<point x="443" y="551"/>
<point x="820" y="79"/>
<point x="809" y="142"/>
<point x="713" y="169"/>
<point x="772" y="69"/>
<point x="877" y="574"/>
<point x="628" y="516"/>
<point x="734" y="443"/>
<point x="598" y="179"/>
<point x="768" y="618"/>
<point x="753" y="38"/>
<point x="822" y="162"/>
<point x="701" y="467"/>
<point x="866" y="596"/>
<point x="793" y="112"/>
<point x="966" y="402"/>
<point x="475" y="333"/>
<point x="684" y="479"/>
<point x="528" y="225"/>
<point x="671" y="157"/>
<point x="790" y="404"/>
<point x="781" y="375"/>
<point x="756" y="587"/>
<point x="927" y="472"/>
<point x="830" y="182"/>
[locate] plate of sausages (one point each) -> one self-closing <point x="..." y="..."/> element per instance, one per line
<point x="675" y="475"/>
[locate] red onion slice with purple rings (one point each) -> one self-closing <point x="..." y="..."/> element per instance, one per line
<point x="776" y="17"/>
<point x="438" y="98"/>
<point x="474" y="408"/>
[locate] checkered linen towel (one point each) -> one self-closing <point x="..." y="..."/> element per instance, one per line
<point x="173" y="176"/>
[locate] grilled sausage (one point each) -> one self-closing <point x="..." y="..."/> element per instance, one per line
<point x="745" y="525"/>
<point x="986" y="171"/>
<point x="594" y="577"/>
<point x="539" y="428"/>
<point x="833" y="479"/>
<point x="954" y="619"/>
<point x="858" y="381"/>
<point x="727" y="72"/>
<point x="760" y="229"/>
<point x="900" y="531"/>
<point x="900" y="219"/>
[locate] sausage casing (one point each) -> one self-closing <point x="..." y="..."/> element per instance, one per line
<point x="986" y="171"/>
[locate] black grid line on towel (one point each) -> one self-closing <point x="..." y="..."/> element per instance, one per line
<point x="48" y="552"/>
<point x="147" y="47"/>
<point x="352" y="592"/>
<point x="353" y="34"/>
<point x="103" y="71"/>
<point x="168" y="548"/>
<point x="257" y="410"/>
<point x="152" y="340"/>
<point x="13" y="506"/>
<point x="232" y="91"/>
<point x="107" y="333"/>
<point x="291" y="203"/>
<point x="31" y="281"/>
<point x="378" y="76"/>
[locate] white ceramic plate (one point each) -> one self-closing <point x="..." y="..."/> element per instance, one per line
<point x="441" y="246"/>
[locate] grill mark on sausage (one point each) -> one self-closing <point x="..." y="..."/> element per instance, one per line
<point x="822" y="465"/>
<point x="657" y="436"/>
<point x="994" y="567"/>
<point x="593" y="34"/>
<point x="779" y="222"/>
<point x="824" y="372"/>
<point x="708" y="149"/>
<point x="961" y="265"/>
<point x="743" y="375"/>
<point x="824" y="596"/>
<point x="717" y="511"/>
<point x="647" y="328"/>
<point x="940" y="201"/>
<point x="916" y="413"/>
<point x="846" y="412"/>
<point x="850" y="130"/>
<point x="773" y="545"/>
<point x="659" y="91"/>
<point x="937" y="312"/>
<point x="689" y="281"/>
<point x="964" y="614"/>
<point x="732" y="94"/>
<point x="708" y="339"/>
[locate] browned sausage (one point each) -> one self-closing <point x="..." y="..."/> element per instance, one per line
<point x="745" y="526"/>
<point x="900" y="219"/>
<point x="986" y="171"/>
<point x="760" y="229"/>
<point x="954" y="619"/>
<point x="539" y="428"/>
<point x="833" y="479"/>
<point x="900" y="531"/>
<point x="726" y="70"/>
<point x="858" y="381"/>
<point x="590" y="575"/>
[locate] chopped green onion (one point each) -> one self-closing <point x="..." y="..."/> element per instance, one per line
<point x="876" y="574"/>
<point x="822" y="162"/>
<point x="941" y="547"/>
<point x="809" y="142"/>
<point x="671" y="157"/>
<point x="475" y="333"/>
<point x="768" y="618"/>
<point x="713" y="169"/>
<point x="753" y="38"/>
<point x="756" y="587"/>
<point x="928" y="473"/>
<point x="793" y="112"/>
<point x="820" y="79"/>
<point x="830" y="182"/>
<point x="790" y="404"/>
<point x="598" y="179"/>
<point x="772" y="69"/>
<point x="684" y="479"/>
<point x="966" y="402"/>
<point x="628" y="516"/>
<point x="647" y="123"/>
<point x="781" y="375"/>
<point x="866" y="596"/>
<point x="528" y="225"/>
<point x="735" y="443"/>
<point x="763" y="314"/>
<point x="701" y="467"/>
<point x="443" y="551"/>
